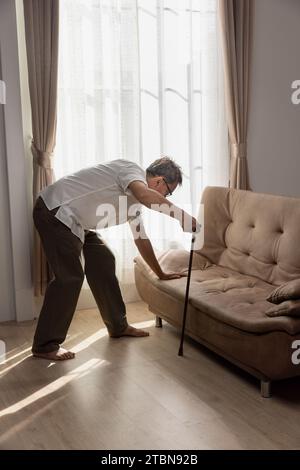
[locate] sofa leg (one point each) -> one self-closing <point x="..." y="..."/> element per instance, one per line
<point x="158" y="322"/>
<point x="265" y="388"/>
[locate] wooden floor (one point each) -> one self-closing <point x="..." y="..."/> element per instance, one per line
<point x="133" y="393"/>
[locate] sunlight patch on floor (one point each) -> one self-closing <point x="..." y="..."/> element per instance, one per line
<point x="78" y="372"/>
<point x="9" y="359"/>
<point x="89" y="341"/>
<point x="144" y="324"/>
<point x="102" y="333"/>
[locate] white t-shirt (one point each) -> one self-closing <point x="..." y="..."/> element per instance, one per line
<point x="96" y="197"/>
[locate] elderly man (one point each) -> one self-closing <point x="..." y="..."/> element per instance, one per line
<point x="66" y="215"/>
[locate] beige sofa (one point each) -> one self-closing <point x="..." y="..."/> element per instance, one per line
<point x="251" y="245"/>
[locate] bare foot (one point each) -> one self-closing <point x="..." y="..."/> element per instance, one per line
<point x="60" y="355"/>
<point x="131" y="331"/>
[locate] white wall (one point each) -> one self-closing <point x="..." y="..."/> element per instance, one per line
<point x="7" y="307"/>
<point x="274" y="122"/>
<point x="20" y="287"/>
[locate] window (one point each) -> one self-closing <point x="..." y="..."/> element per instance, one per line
<point x="137" y="79"/>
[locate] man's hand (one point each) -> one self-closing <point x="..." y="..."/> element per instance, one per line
<point x="145" y="248"/>
<point x="190" y="224"/>
<point x="168" y="276"/>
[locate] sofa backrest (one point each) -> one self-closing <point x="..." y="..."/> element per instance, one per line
<point x="252" y="233"/>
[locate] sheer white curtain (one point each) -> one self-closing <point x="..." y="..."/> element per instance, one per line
<point x="137" y="79"/>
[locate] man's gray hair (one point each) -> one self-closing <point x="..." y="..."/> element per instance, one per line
<point x="166" y="167"/>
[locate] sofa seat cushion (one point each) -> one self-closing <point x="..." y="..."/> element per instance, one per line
<point x="236" y="299"/>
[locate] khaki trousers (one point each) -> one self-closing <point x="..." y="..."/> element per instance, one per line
<point x="63" y="250"/>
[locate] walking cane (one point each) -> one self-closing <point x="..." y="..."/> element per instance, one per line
<point x="186" y="301"/>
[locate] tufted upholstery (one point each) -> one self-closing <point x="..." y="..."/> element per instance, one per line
<point x="255" y="234"/>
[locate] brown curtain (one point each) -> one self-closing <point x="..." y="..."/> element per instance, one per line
<point x="235" y="26"/>
<point x="41" y="29"/>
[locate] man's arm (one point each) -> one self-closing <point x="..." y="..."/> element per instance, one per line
<point x="146" y="251"/>
<point x="154" y="200"/>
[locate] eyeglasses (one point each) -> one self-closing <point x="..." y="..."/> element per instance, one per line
<point x="169" y="190"/>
